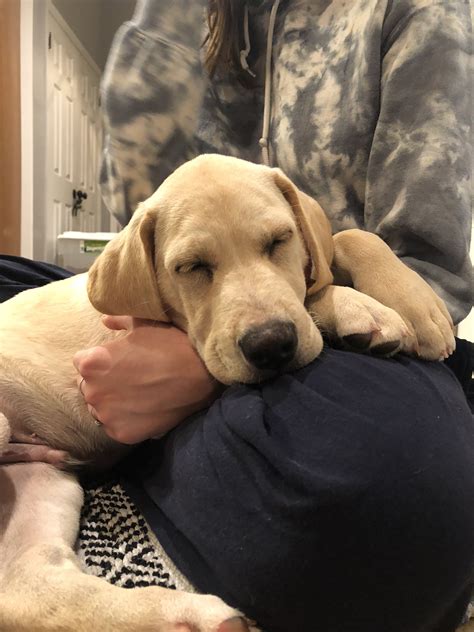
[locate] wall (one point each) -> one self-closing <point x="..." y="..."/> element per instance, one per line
<point x="95" y="22"/>
<point x="113" y="14"/>
<point x="33" y="128"/>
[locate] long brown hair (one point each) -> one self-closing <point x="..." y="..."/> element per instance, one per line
<point x="223" y="42"/>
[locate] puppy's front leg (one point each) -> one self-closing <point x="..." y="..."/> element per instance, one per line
<point x="42" y="588"/>
<point x="363" y="260"/>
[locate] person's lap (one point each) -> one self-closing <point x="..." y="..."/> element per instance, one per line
<point x="338" y="497"/>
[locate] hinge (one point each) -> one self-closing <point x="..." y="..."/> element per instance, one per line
<point x="49" y="41"/>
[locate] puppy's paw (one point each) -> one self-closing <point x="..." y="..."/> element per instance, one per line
<point x="363" y="324"/>
<point x="236" y="624"/>
<point x="424" y="313"/>
<point x="431" y="324"/>
<point x="207" y="613"/>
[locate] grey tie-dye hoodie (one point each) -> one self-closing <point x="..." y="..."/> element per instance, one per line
<point x="370" y="113"/>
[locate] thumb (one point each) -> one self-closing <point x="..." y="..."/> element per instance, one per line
<point x="117" y="322"/>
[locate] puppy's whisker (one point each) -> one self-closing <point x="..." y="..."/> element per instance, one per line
<point x="315" y="318"/>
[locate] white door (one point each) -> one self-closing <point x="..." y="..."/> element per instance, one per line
<point x="74" y="136"/>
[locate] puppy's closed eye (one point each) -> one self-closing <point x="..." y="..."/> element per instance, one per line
<point x="198" y="266"/>
<point x="271" y="246"/>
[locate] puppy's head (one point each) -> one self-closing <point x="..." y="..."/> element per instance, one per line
<point x="228" y="251"/>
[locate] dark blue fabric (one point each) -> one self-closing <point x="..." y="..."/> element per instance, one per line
<point x="18" y="274"/>
<point x="339" y="498"/>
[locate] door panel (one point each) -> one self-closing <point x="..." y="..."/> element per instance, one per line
<point x="74" y="138"/>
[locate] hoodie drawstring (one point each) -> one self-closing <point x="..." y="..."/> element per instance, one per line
<point x="245" y="52"/>
<point x="267" y="102"/>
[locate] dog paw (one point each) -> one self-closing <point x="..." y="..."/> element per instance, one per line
<point x="235" y="624"/>
<point x="363" y="324"/>
<point x="430" y="324"/>
<point x="425" y="315"/>
<point x="207" y="613"/>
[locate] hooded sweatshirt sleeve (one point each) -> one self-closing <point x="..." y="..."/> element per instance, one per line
<point x="418" y="196"/>
<point x="152" y="91"/>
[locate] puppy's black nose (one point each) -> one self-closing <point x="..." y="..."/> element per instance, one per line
<point x="271" y="345"/>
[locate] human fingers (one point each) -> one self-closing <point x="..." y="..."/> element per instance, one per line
<point x="130" y="429"/>
<point x="117" y="322"/>
<point x="90" y="361"/>
<point x="93" y="412"/>
<point x="95" y="415"/>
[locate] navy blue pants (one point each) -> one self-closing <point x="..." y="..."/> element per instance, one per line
<point x="335" y="499"/>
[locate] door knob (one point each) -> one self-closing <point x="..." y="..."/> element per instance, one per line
<point x="77" y="197"/>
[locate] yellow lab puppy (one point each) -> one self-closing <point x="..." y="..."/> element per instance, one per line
<point x="221" y="250"/>
<point x="235" y="255"/>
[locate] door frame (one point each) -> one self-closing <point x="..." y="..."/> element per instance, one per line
<point x="34" y="52"/>
<point x="28" y="70"/>
<point x="10" y="128"/>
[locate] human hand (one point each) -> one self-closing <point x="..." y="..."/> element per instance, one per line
<point x="143" y="384"/>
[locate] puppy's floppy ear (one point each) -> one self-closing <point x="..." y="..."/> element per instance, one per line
<point x="122" y="280"/>
<point x="315" y="229"/>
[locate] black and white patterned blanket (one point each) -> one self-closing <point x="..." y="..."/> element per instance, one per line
<point x="115" y="543"/>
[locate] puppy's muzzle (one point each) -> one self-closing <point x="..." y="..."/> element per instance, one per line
<point x="270" y="346"/>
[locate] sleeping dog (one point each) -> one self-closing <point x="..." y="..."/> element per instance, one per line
<point x="234" y="254"/>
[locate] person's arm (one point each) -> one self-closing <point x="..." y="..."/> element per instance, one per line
<point x="152" y="91"/>
<point x="143" y="384"/>
<point x="418" y="192"/>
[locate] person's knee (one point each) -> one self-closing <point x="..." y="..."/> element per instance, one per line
<point x="411" y="544"/>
